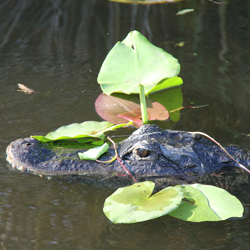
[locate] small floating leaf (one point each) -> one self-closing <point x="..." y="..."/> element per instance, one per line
<point x="183" y="12"/>
<point x="94" y="153"/>
<point x="133" y="203"/>
<point x="180" y="44"/>
<point x="207" y="203"/>
<point x="80" y="130"/>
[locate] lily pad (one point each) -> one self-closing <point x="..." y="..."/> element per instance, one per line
<point x="90" y="141"/>
<point x="171" y="99"/>
<point x="135" y="61"/>
<point x="80" y="130"/>
<point x="94" y="153"/>
<point x="135" y="204"/>
<point x="207" y="203"/>
<point x="118" y="110"/>
<point x="155" y="112"/>
<point x="166" y="83"/>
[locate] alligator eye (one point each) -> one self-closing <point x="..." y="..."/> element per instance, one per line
<point x="143" y="152"/>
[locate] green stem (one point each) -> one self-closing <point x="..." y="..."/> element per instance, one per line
<point x="144" y="112"/>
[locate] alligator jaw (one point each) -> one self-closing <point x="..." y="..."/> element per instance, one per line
<point x="29" y="155"/>
<point x="11" y="159"/>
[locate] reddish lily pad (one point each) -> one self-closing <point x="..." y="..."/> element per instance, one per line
<point x="118" y="110"/>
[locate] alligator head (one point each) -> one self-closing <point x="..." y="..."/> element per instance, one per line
<point x="165" y="156"/>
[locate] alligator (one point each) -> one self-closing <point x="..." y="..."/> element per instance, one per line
<point x="167" y="157"/>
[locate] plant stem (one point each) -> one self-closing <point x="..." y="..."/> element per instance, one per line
<point x="120" y="161"/>
<point x="144" y="112"/>
<point x="217" y="143"/>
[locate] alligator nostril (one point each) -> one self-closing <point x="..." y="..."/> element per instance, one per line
<point x="143" y="152"/>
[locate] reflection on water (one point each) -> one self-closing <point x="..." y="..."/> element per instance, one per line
<point x="57" y="48"/>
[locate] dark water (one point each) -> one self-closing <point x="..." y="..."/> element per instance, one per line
<point x="57" y="48"/>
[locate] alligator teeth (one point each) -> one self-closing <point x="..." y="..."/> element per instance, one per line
<point x="21" y="168"/>
<point x="41" y="175"/>
<point x="49" y="177"/>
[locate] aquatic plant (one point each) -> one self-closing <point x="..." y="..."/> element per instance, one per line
<point x="195" y="203"/>
<point x="137" y="66"/>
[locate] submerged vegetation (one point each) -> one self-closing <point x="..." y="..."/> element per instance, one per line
<point x="135" y="66"/>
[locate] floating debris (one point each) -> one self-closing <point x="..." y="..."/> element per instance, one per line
<point x="25" y="89"/>
<point x="217" y="2"/>
<point x="180" y="44"/>
<point x="145" y="1"/>
<point x="183" y="12"/>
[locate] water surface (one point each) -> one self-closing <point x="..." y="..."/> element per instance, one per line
<point x="57" y="48"/>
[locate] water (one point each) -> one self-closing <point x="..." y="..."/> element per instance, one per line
<point x="57" y="48"/>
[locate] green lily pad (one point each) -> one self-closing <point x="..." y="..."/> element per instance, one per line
<point x="90" y="141"/>
<point x="171" y="99"/>
<point x="207" y="203"/>
<point x="94" y="153"/>
<point x="133" y="203"/>
<point x="135" y="61"/>
<point x="80" y="130"/>
<point x="166" y="83"/>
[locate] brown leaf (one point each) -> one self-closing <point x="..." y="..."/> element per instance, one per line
<point x="25" y="89"/>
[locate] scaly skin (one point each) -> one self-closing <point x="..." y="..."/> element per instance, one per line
<point x="168" y="157"/>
